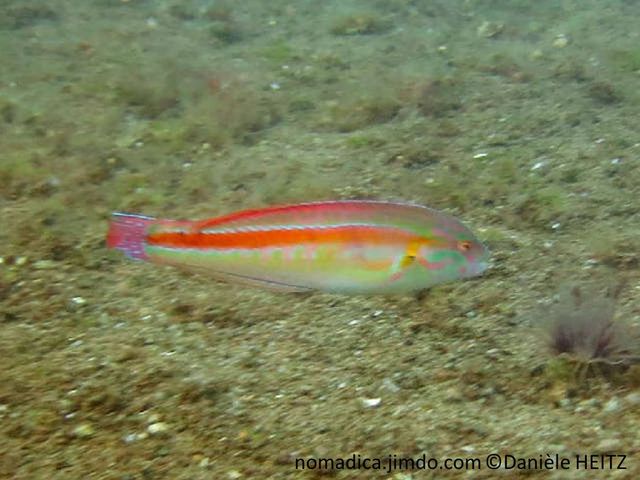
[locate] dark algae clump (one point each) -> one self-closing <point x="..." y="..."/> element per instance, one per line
<point x="581" y="326"/>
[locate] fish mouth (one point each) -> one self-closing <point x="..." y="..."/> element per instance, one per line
<point x="478" y="268"/>
<point x="482" y="262"/>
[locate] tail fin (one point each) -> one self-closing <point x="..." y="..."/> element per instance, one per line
<point x="127" y="233"/>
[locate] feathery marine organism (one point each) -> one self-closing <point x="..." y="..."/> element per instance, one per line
<point x="582" y="327"/>
<point x="350" y="247"/>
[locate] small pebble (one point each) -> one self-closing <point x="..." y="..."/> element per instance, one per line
<point x="371" y="402"/>
<point x="587" y="405"/>
<point x="565" y="403"/>
<point x="608" y="445"/>
<point x="613" y="405"/>
<point x="490" y="29"/>
<point x="402" y="476"/>
<point x="536" y="55"/>
<point x="158" y="428"/>
<point x="45" y="265"/>
<point x="453" y="394"/>
<point x="130" y="438"/>
<point x="538" y="165"/>
<point x="633" y="399"/>
<point x="153" y="418"/>
<point x="84" y="430"/>
<point x="492" y="353"/>
<point x="561" y="41"/>
<point x="390" y="385"/>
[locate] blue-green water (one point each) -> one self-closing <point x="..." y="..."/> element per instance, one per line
<point x="520" y="118"/>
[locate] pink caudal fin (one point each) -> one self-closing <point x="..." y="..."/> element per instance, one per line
<point x="127" y="233"/>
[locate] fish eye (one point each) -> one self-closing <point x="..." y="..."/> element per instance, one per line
<point x="464" y="245"/>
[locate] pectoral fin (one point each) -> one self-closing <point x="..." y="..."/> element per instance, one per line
<point x="410" y="255"/>
<point x="409" y="258"/>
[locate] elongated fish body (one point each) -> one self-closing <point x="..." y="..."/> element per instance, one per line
<point x="350" y="247"/>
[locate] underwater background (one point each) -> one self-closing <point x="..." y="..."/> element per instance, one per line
<point x="520" y="118"/>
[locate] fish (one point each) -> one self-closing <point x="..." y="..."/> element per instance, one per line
<point x="345" y="246"/>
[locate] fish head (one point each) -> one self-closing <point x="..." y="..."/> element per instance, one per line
<point x="453" y="252"/>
